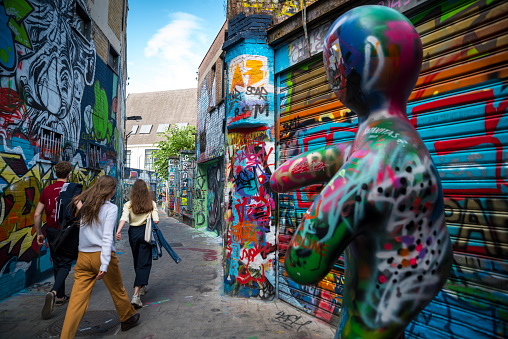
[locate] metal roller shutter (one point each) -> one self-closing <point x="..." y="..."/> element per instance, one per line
<point x="459" y="107"/>
<point x="310" y="117"/>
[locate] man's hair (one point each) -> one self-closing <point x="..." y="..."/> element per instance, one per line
<point x="62" y="169"/>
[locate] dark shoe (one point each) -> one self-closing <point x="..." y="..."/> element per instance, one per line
<point x="131" y="322"/>
<point x="49" y="304"/>
<point x="60" y="302"/>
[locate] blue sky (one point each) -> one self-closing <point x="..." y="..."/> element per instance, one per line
<point x="167" y="40"/>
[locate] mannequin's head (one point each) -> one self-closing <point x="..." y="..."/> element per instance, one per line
<point x="372" y="56"/>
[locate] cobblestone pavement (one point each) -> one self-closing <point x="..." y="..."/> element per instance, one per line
<point x="183" y="301"/>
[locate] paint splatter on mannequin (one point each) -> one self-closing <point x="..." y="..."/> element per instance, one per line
<point x="383" y="203"/>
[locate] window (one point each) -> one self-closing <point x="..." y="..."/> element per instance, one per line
<point x="145" y="129"/>
<point x="51" y="146"/>
<point x="162" y="127"/>
<point x="95" y="155"/>
<point x="82" y="22"/>
<point x="134" y="129"/>
<point x="128" y="159"/>
<point x="113" y="59"/>
<point x="182" y="124"/>
<point x="148" y="158"/>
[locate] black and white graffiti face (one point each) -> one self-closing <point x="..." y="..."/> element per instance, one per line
<point x="52" y="75"/>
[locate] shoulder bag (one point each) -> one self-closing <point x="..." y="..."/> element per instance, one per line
<point x="148" y="229"/>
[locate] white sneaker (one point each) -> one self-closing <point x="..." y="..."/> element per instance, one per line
<point x="136" y="301"/>
<point x="142" y="290"/>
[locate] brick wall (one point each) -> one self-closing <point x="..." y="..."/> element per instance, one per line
<point x="115" y="16"/>
<point x="210" y="112"/>
<point x="212" y="54"/>
<point x="101" y="42"/>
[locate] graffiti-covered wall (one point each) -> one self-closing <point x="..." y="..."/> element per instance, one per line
<point x="211" y="107"/>
<point x="172" y="184"/>
<point x="249" y="237"/>
<point x="200" y="198"/>
<point x="211" y="128"/>
<point x="209" y="196"/>
<point x="58" y="101"/>
<point x="280" y="10"/>
<point x="187" y="167"/>
<point x="459" y="108"/>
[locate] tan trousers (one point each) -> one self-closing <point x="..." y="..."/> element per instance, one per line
<point x="85" y="273"/>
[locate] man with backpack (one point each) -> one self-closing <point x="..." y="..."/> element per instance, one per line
<point x="49" y="200"/>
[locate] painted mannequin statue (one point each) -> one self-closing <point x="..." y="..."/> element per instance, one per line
<point x="383" y="203"/>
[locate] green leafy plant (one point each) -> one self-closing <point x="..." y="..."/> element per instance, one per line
<point x="176" y="139"/>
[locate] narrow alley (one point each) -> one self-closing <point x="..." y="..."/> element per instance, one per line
<point x="182" y="301"/>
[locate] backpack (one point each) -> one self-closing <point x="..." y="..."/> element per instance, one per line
<point x="67" y="241"/>
<point x="64" y="209"/>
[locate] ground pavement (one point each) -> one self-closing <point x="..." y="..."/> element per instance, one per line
<point x="183" y="301"/>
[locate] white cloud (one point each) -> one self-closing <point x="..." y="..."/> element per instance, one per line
<point x="171" y="56"/>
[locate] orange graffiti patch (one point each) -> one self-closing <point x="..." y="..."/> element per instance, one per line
<point x="244" y="231"/>
<point x="404" y="252"/>
<point x="237" y="79"/>
<point x="255" y="73"/>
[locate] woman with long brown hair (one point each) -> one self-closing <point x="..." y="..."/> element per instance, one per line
<point x="136" y="212"/>
<point x="96" y="258"/>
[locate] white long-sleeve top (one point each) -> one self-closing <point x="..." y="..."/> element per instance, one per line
<point x="98" y="237"/>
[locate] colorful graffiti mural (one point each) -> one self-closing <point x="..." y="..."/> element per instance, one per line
<point x="209" y="196"/>
<point x="56" y="103"/>
<point x="280" y="10"/>
<point x="200" y="198"/>
<point x="172" y="184"/>
<point x="250" y="237"/>
<point x="250" y="91"/>
<point x="187" y="166"/>
<point x="215" y="198"/>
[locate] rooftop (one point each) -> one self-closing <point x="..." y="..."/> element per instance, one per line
<point x="159" y="110"/>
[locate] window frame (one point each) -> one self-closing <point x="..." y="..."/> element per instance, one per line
<point x="51" y="147"/>
<point x="141" y="131"/>
<point x="81" y="13"/>
<point x="148" y="159"/>
<point x="127" y="161"/>
<point x="94" y="161"/>
<point x="113" y="58"/>
<point x="163" y="127"/>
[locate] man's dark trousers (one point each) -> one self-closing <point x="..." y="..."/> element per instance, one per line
<point x="61" y="264"/>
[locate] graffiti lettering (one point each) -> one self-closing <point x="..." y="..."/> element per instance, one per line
<point x="290" y="321"/>
<point x="260" y="92"/>
<point x="308" y="243"/>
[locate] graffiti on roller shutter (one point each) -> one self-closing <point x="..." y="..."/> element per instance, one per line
<point x="250" y="260"/>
